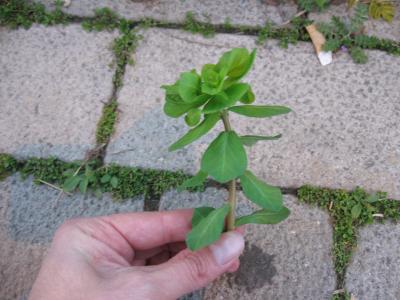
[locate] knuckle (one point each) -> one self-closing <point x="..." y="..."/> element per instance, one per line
<point x="67" y="228"/>
<point x="197" y="267"/>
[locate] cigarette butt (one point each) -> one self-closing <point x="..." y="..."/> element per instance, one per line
<point x="318" y="40"/>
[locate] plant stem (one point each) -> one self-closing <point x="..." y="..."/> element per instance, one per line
<point x="232" y="184"/>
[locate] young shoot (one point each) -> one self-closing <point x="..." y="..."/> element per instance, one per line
<point x="205" y="99"/>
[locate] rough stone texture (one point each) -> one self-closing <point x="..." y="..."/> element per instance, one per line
<point x="19" y="261"/>
<point x="379" y="28"/>
<point x="342" y="133"/>
<point x="53" y="83"/>
<point x="374" y="272"/>
<point x="36" y="211"/>
<point x="242" y="12"/>
<point x="291" y="260"/>
<point x="29" y="215"/>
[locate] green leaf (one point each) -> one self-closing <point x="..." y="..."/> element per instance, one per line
<point x="105" y="178"/>
<point x="71" y="183"/>
<point x="114" y="182"/>
<point x="225" y="158"/>
<point x="250" y="140"/>
<point x="356" y="211"/>
<point x="172" y="89"/>
<point x="248" y="97"/>
<point x="189" y="86"/>
<point x="264" y="216"/>
<point x="175" y="107"/>
<point x="200" y="213"/>
<point x="193" y="117"/>
<point x="210" y="76"/>
<point x="196" y="132"/>
<point x="236" y="91"/>
<point x="217" y="103"/>
<point x="241" y="70"/>
<point x="260" y="111"/>
<point x="264" y="195"/>
<point x="194" y="181"/>
<point x="208" y="230"/>
<point x="372" y="198"/>
<point x="83" y="185"/>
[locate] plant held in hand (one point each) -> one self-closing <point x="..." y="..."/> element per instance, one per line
<point x="205" y="99"/>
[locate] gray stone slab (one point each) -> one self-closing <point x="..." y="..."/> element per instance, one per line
<point x="379" y="28"/>
<point x="343" y="132"/>
<point x="374" y="272"/>
<point x="291" y="260"/>
<point x="242" y="12"/>
<point x="36" y="211"/>
<point x="53" y="83"/>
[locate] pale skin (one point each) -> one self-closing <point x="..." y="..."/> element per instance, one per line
<point x="132" y="256"/>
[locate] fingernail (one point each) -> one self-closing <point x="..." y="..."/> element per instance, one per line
<point x="229" y="247"/>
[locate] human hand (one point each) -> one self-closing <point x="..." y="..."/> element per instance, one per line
<point x="131" y="256"/>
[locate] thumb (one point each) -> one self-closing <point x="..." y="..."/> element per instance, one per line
<point x="189" y="271"/>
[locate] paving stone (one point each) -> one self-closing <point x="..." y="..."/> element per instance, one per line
<point x="242" y="12"/>
<point x="53" y="83"/>
<point x="379" y="28"/>
<point x="343" y="132"/>
<point x="19" y="261"/>
<point x="374" y="272"/>
<point x="291" y="260"/>
<point x="35" y="211"/>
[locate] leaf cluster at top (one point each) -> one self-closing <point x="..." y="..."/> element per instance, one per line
<point x="204" y="99"/>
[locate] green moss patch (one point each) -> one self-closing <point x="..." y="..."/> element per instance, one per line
<point x="349" y="211"/>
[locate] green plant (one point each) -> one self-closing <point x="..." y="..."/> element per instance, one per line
<point x="104" y="19"/>
<point x="105" y="127"/>
<point x="313" y="5"/>
<point x="8" y="165"/>
<point x="123" y="48"/>
<point x="205" y="99"/>
<point x="349" y="211"/>
<point x="377" y="9"/>
<point x="340" y="33"/>
<point x="194" y="26"/>
<point x="20" y="13"/>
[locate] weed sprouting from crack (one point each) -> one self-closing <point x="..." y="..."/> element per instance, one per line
<point x="349" y="211"/>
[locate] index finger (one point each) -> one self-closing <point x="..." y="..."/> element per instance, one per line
<point x="152" y="229"/>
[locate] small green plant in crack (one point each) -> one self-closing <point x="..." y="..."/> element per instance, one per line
<point x="339" y="33"/>
<point x="104" y="19"/>
<point x="105" y="127"/>
<point x="313" y="5"/>
<point x="194" y="26"/>
<point x="294" y="32"/>
<point x="205" y="99"/>
<point x="349" y="211"/>
<point x="123" y="48"/>
<point x="8" y="165"/>
<point x="21" y="13"/>
<point x="377" y="9"/>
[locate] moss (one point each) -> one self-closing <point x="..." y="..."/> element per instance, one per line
<point x="123" y="48"/>
<point x="132" y="181"/>
<point x="105" y="127"/>
<point x="20" y="13"/>
<point x="8" y="165"/>
<point x="194" y="26"/>
<point x="104" y="19"/>
<point x="47" y="169"/>
<point x="349" y="211"/>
